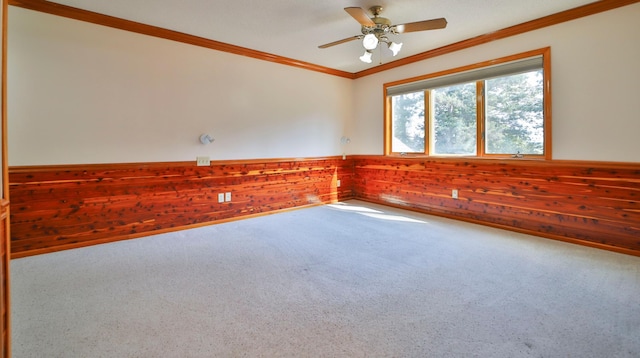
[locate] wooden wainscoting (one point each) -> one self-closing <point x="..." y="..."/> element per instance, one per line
<point x="591" y="203"/>
<point x="60" y="207"/>
<point x="5" y="338"/>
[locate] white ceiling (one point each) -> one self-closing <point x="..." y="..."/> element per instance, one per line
<point x="295" y="28"/>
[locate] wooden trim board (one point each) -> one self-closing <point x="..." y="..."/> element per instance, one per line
<point x="114" y="22"/>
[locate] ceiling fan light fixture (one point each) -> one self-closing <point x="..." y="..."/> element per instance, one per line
<point x="370" y="41"/>
<point x="395" y="47"/>
<point x="375" y="30"/>
<point x="366" y="57"/>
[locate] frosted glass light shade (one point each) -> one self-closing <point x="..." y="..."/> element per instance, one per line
<point x="370" y="41"/>
<point x="395" y="47"/>
<point x="366" y="57"/>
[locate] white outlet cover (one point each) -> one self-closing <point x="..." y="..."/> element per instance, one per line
<point x="338" y="183"/>
<point x="203" y="161"/>
<point x="227" y="197"/>
<point x="221" y="198"/>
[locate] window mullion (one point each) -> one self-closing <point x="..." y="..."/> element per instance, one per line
<point x="388" y="125"/>
<point x="480" y="118"/>
<point x="427" y="121"/>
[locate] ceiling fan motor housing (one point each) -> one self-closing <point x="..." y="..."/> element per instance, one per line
<point x="383" y="27"/>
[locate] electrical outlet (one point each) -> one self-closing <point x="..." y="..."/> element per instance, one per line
<point x="338" y="183"/>
<point x="221" y="197"/>
<point x="454" y="193"/>
<point x="203" y="161"/>
<point x="227" y="196"/>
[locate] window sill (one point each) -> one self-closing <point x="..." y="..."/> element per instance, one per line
<point x="468" y="157"/>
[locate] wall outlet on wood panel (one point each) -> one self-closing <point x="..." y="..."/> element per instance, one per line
<point x="338" y="183"/>
<point x="227" y="196"/>
<point x="203" y="161"/>
<point x="221" y="197"/>
<point x="454" y="193"/>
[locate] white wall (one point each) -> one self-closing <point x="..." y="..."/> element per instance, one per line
<point x="595" y="86"/>
<point x="82" y="93"/>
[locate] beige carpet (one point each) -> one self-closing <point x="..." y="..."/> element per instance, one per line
<point x="345" y="280"/>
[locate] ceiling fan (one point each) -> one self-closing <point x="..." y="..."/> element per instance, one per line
<point x="375" y="30"/>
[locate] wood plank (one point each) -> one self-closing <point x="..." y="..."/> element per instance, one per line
<point x="72" y="206"/>
<point x="594" y="203"/>
<point x="590" y="201"/>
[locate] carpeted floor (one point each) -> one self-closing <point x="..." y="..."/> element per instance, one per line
<point x="345" y="280"/>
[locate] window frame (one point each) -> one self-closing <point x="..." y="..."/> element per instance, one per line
<point x="545" y="53"/>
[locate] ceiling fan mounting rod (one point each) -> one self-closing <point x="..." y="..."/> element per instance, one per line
<point x="382" y="25"/>
<point x="376" y="10"/>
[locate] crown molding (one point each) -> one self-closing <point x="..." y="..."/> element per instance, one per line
<point x="554" y="19"/>
<point x="127" y="25"/>
<point x="144" y="29"/>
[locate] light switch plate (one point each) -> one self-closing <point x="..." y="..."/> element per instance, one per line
<point x="227" y="196"/>
<point x="221" y="197"/>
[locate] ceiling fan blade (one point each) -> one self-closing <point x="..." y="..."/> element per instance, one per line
<point x="434" y="24"/>
<point x="340" y="41"/>
<point x="360" y="16"/>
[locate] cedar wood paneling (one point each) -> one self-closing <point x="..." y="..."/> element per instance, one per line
<point x="59" y="207"/>
<point x="72" y="206"/>
<point x="597" y="204"/>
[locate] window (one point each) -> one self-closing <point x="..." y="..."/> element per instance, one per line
<point x="500" y="108"/>
<point x="453" y="119"/>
